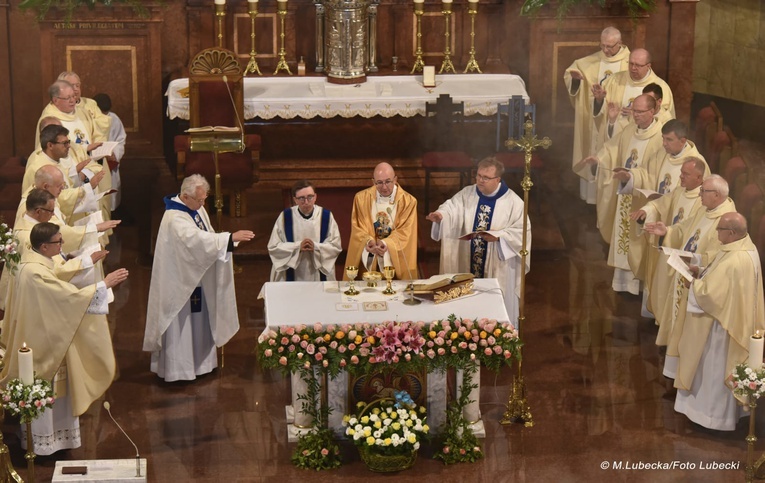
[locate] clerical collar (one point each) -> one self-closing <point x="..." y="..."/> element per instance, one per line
<point x="46" y="155"/>
<point x="644" y="77"/>
<point x="640" y="130"/>
<point x="685" y="146"/>
<point x="308" y="216"/>
<point x="387" y="199"/>
<point x="501" y="190"/>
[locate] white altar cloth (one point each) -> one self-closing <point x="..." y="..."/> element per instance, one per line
<point x="295" y="303"/>
<point x="386" y="96"/>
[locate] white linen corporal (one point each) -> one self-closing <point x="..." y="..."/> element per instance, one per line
<point x="308" y="266"/>
<point x="502" y="258"/>
<point x="187" y="256"/>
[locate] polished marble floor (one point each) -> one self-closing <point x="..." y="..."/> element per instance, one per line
<point x="592" y="372"/>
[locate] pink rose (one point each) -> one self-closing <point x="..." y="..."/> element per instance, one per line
<point x="462" y="451"/>
<point x="354" y="360"/>
<point x="317" y="327"/>
<point x="268" y="353"/>
<point x="289" y="330"/>
<point x="446" y="450"/>
<point x="408" y="357"/>
<point x="324" y="451"/>
<point x="325" y="363"/>
<point x="342" y="363"/>
<point x="487" y="351"/>
<point x="280" y="349"/>
<point x="291" y="348"/>
<point x="333" y="344"/>
<point x="431" y="353"/>
<point x="295" y="339"/>
<point x="341" y="349"/>
<point x="454" y="350"/>
<point x="497" y="350"/>
<point x="323" y="350"/>
<point x="303" y="344"/>
<point x="299" y="355"/>
<point x="283" y="360"/>
<point x="271" y="342"/>
<point x="441" y="351"/>
<point x="507" y="354"/>
<point x="319" y="356"/>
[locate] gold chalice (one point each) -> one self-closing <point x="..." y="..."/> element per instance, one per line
<point x="371" y="278"/>
<point x="389" y="273"/>
<point x="351" y="271"/>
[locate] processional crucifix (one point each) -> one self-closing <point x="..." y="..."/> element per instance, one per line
<point x="518" y="410"/>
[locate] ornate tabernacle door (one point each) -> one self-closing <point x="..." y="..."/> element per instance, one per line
<point x="348" y="39"/>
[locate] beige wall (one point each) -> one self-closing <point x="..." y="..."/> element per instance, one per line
<point x="729" y="55"/>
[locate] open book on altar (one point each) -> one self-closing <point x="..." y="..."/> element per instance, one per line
<point x="204" y="129"/>
<point x="440" y="281"/>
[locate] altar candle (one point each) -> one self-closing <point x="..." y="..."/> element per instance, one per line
<point x="473" y="1"/>
<point x="756" y="345"/>
<point x="419" y="1"/>
<point x="220" y="2"/>
<point x="26" y="366"/>
<point x="447" y="1"/>
<point x="281" y="5"/>
<point x="252" y="1"/>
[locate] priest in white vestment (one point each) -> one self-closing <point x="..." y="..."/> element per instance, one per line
<point x="305" y="240"/>
<point x="192" y="302"/>
<point x="481" y="232"/>
<point x="66" y="328"/>
<point x="116" y="134"/>
<point x="630" y="150"/>
<point x="646" y="261"/>
<point x="725" y="307"/>
<point x="613" y="102"/>
<point x="697" y="235"/>
<point x="580" y="77"/>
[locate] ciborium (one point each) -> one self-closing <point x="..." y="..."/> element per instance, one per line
<point x="389" y="272"/>
<point x="352" y="272"/>
<point x="371" y="278"/>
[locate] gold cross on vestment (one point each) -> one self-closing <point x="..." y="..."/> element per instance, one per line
<point x="195" y="299"/>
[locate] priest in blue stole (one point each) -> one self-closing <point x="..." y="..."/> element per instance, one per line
<point x="305" y="240"/>
<point x="481" y="230"/>
<point x="192" y="302"/>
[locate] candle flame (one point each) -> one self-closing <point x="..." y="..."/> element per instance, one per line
<point x="24" y="347"/>
<point x="757" y="334"/>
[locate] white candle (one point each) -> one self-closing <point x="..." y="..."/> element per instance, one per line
<point x="756" y="345"/>
<point x="473" y="1"/>
<point x="220" y="2"/>
<point x="26" y="366"/>
<point x="252" y="1"/>
<point x="419" y="1"/>
<point x="447" y="1"/>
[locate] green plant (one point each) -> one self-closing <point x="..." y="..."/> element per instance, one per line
<point x="531" y="7"/>
<point x="41" y="7"/>
<point x="459" y="443"/>
<point x="316" y="449"/>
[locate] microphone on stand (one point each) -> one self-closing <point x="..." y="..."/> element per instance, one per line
<point x="108" y="406"/>
<point x="236" y="112"/>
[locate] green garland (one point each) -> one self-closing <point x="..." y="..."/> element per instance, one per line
<point x="459" y="443"/>
<point x="531" y="8"/>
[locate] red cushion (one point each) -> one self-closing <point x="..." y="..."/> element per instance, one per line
<point x="516" y="160"/>
<point x="750" y="195"/>
<point x="446" y="159"/>
<point x="734" y="167"/>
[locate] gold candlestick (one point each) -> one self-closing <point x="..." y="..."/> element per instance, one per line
<point x="220" y="14"/>
<point x="252" y="65"/>
<point x="418" y="62"/>
<point x="446" y="65"/>
<point x="30" y="456"/>
<point x="518" y="410"/>
<point x="472" y="63"/>
<point x="281" y="9"/>
<point x="7" y="471"/>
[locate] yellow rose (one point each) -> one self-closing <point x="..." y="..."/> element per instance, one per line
<point x="386" y="442"/>
<point x="339" y="334"/>
<point x="378" y="424"/>
<point x="367" y="432"/>
<point x="454" y="335"/>
<point x="351" y="431"/>
<point x="305" y="336"/>
<point x="409" y="423"/>
<point x="358" y="340"/>
<point x="370" y="441"/>
<point x="396" y="426"/>
<point x="425" y="428"/>
<point x="482" y="334"/>
<point x="467" y="334"/>
<point x="497" y="332"/>
<point x="376" y="411"/>
<point x="364" y="419"/>
<point x="432" y="334"/>
<point x="393" y="415"/>
<point x="371" y="339"/>
<point x="412" y="438"/>
<point x="327" y="337"/>
<point x="346" y="418"/>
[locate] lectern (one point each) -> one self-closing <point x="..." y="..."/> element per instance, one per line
<point x="216" y="141"/>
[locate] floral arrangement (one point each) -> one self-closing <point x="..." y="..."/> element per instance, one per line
<point x="458" y="442"/>
<point x="389" y="427"/>
<point x="8" y="247"/>
<point x="28" y="401"/>
<point x="363" y="347"/>
<point x="747" y="382"/>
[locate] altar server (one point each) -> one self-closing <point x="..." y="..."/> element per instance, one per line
<point x="192" y="302"/>
<point x="384" y="226"/>
<point x="481" y="230"/>
<point x="305" y="240"/>
<point x="66" y="328"/>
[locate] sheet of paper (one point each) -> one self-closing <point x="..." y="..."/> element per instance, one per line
<point x="429" y="76"/>
<point x="104" y="150"/>
<point x="678" y="264"/>
<point x="674" y="251"/>
<point x="96" y="217"/>
<point x="650" y="194"/>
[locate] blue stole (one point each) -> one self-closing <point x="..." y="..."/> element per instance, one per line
<point x="174" y="205"/>
<point x="289" y="234"/>
<point x="482" y="222"/>
<point x="196" y="295"/>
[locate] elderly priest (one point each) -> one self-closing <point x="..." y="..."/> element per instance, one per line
<point x="192" y="303"/>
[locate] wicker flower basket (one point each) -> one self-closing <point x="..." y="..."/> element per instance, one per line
<point x="381" y="463"/>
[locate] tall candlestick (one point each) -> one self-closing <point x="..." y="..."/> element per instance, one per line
<point x="756" y="345"/>
<point x="447" y="65"/>
<point x="281" y="10"/>
<point x="252" y="65"/>
<point x="472" y="63"/>
<point x="26" y="365"/>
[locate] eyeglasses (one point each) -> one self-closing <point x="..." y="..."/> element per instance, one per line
<point x="387" y="182"/>
<point x="609" y="47"/>
<point x="632" y="64"/>
<point x="303" y="199"/>
<point x="635" y="111"/>
<point x="65" y="143"/>
<point x="57" y="242"/>
<point x="720" y="228"/>
<point x="482" y="178"/>
<point x="46" y="209"/>
<point x="708" y="191"/>
<point x="66" y="99"/>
